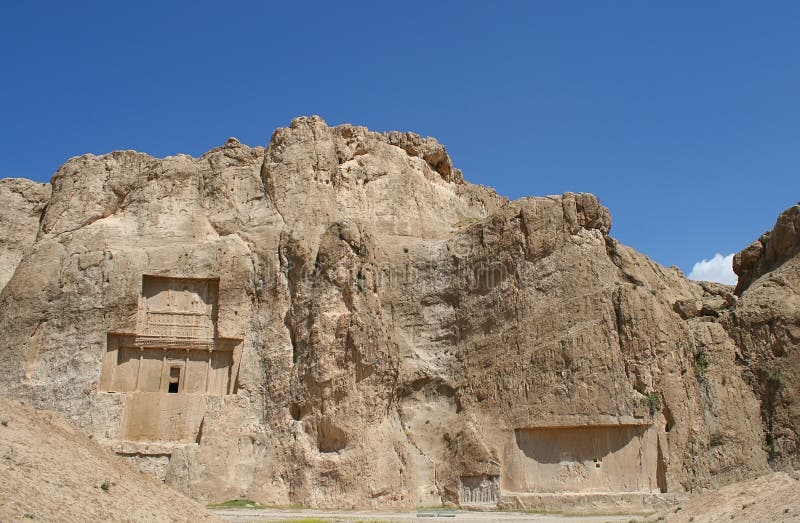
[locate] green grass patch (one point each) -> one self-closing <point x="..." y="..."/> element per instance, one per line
<point x="700" y="363"/>
<point x="653" y="402"/>
<point x="770" y="449"/>
<point x="237" y="503"/>
<point x="775" y="378"/>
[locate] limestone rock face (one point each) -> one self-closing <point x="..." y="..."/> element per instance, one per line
<point x="770" y="251"/>
<point x="21" y="205"/>
<point x="340" y="320"/>
<point x="766" y="325"/>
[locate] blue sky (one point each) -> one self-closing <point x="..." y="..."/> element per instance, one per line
<point x="683" y="117"/>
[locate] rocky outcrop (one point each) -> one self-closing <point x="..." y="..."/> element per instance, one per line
<point x="766" y="327"/>
<point x="770" y="251"/>
<point x="21" y="205"/>
<point x="346" y="322"/>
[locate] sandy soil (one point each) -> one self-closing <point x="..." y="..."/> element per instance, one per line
<point x="774" y="498"/>
<point x="49" y="471"/>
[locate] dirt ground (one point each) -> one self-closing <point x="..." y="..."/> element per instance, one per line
<point x="241" y="515"/>
<point x="774" y="498"/>
<point x="50" y="471"/>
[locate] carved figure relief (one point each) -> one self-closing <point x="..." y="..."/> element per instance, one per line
<point x="479" y="490"/>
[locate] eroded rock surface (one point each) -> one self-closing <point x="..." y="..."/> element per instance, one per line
<point x="766" y="326"/>
<point x="21" y="205"/>
<point x="397" y="336"/>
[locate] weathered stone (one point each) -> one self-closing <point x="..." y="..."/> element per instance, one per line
<point x="766" y="327"/>
<point x="21" y="206"/>
<point x="771" y="250"/>
<point x="398" y="336"/>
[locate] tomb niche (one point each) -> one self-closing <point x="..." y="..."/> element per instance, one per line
<point x="173" y="361"/>
<point x="613" y="458"/>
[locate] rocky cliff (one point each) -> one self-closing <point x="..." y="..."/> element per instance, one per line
<point x="340" y="320"/>
<point x="23" y="202"/>
<point x="766" y="327"/>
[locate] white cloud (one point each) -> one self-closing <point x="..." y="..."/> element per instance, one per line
<point x="719" y="269"/>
